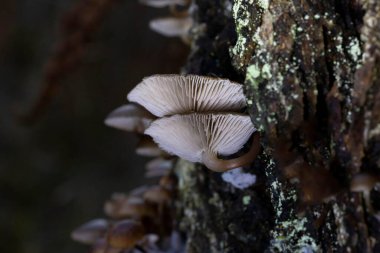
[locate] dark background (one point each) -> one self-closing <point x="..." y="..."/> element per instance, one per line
<point x="56" y="173"/>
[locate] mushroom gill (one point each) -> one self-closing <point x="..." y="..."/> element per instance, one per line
<point x="129" y="117"/>
<point x="164" y="95"/>
<point x="203" y="137"/>
<point x="172" y="26"/>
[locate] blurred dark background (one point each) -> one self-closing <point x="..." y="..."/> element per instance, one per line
<point x="56" y="173"/>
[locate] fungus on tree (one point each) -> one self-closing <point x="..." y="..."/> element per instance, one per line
<point x="158" y="167"/>
<point x="164" y="95"/>
<point x="163" y="3"/>
<point x="125" y="234"/>
<point x="130" y="117"/>
<point x="204" y="137"/>
<point x="158" y="195"/>
<point x="122" y="206"/>
<point x="172" y="26"/>
<point x="90" y="232"/>
<point x="364" y="182"/>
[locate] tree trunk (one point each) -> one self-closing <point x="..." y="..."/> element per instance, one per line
<point x="311" y="74"/>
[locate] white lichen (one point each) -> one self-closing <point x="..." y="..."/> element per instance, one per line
<point x="239" y="179"/>
<point x="354" y="49"/>
<point x="342" y="234"/>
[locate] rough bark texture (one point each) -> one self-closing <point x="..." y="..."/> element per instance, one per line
<point x="311" y="73"/>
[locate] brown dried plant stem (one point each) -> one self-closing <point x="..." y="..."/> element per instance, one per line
<point x="78" y="27"/>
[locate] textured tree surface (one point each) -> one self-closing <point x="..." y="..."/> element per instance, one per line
<point x="311" y="74"/>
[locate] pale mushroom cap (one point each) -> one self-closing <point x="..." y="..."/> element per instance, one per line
<point x="122" y="206"/>
<point x="158" y="167"/>
<point x="363" y="182"/>
<point x="129" y="117"/>
<point x="164" y="95"/>
<point x="163" y="3"/>
<point x="90" y="232"/>
<point x="189" y="136"/>
<point x="157" y="194"/>
<point x="171" y="27"/>
<point x="125" y="234"/>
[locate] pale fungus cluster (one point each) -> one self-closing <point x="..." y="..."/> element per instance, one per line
<point x="141" y="221"/>
<point x="176" y="25"/>
<point x="199" y="119"/>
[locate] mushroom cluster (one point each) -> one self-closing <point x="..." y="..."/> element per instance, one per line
<point x="199" y="119"/>
<point x="176" y="25"/>
<point x="141" y="221"/>
<point x="194" y="117"/>
<point x="134" y="118"/>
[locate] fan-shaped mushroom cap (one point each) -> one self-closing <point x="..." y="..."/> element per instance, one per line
<point x="363" y="182"/>
<point x="169" y="182"/>
<point x="163" y="3"/>
<point x="122" y="206"/>
<point x="125" y="234"/>
<point x="164" y="95"/>
<point x="202" y="137"/>
<point x="129" y="117"/>
<point x="172" y="27"/>
<point x="158" y="167"/>
<point x="157" y="194"/>
<point x="90" y="232"/>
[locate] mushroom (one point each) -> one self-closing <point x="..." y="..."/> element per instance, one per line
<point x="161" y="198"/>
<point x="147" y="147"/>
<point x="165" y="95"/>
<point x="122" y="206"/>
<point x="172" y="26"/>
<point x="158" y="167"/>
<point x="163" y="3"/>
<point x="203" y="137"/>
<point x="169" y="182"/>
<point x="364" y="182"/>
<point x="158" y="195"/>
<point x="90" y="232"/>
<point x="125" y="234"/>
<point x="130" y="117"/>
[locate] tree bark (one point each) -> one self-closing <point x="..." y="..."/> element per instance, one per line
<point x="311" y="74"/>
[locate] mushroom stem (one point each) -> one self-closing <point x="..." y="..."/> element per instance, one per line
<point x="219" y="165"/>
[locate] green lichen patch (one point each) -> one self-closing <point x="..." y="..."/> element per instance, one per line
<point x="247" y="16"/>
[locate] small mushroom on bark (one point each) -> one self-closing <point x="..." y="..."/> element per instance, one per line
<point x="158" y="167"/>
<point x="163" y="3"/>
<point x="165" y="95"/>
<point x="204" y="137"/>
<point x="122" y="206"/>
<point x="125" y="234"/>
<point x="172" y="26"/>
<point x="90" y="232"/>
<point x="364" y="182"/>
<point x="130" y="117"/>
<point x="158" y="195"/>
<point x="169" y="182"/>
